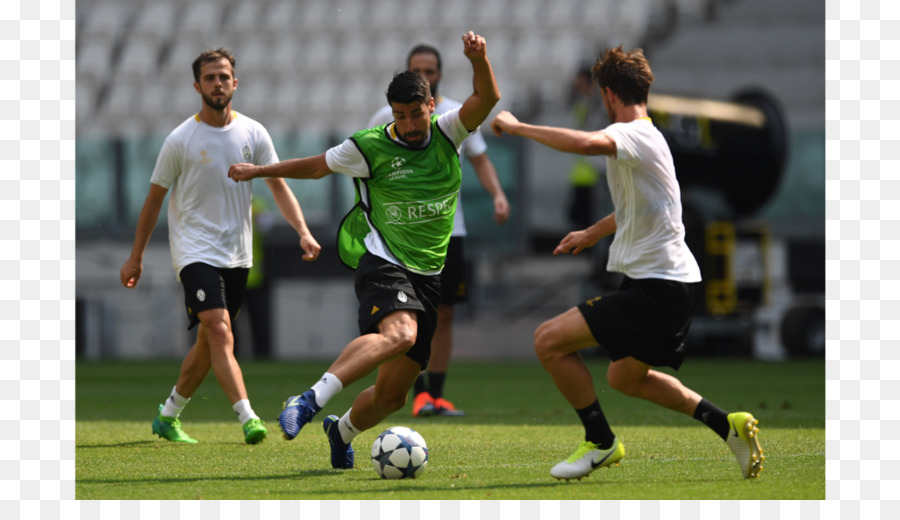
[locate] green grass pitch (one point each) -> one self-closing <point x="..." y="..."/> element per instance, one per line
<point x="517" y="426"/>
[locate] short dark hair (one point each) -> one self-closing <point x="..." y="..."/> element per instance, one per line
<point x="425" y="49"/>
<point x="212" y="55"/>
<point x="627" y="74"/>
<point x="408" y="87"/>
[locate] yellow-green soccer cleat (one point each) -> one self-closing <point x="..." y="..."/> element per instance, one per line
<point x="587" y="458"/>
<point x="169" y="428"/>
<point x="744" y="443"/>
<point x="254" y="431"/>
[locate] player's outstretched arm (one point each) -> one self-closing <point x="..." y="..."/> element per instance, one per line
<point x="291" y="211"/>
<point x="131" y="270"/>
<point x="313" y="167"/>
<point x="577" y="241"/>
<point x="486" y="94"/>
<point x="562" y="139"/>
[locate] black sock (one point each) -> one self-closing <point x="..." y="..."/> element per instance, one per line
<point x="712" y="416"/>
<point x="436" y="383"/>
<point x="420" y="384"/>
<point x="596" y="429"/>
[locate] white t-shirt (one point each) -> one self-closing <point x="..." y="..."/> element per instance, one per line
<point x="471" y="147"/>
<point x="209" y="214"/>
<point x="347" y="159"/>
<point x="649" y="240"/>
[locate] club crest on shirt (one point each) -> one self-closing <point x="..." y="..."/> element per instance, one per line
<point x="247" y="154"/>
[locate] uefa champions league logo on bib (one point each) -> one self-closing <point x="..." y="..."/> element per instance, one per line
<point x="398" y="162"/>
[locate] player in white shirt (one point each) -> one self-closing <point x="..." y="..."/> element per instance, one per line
<point x="643" y="324"/>
<point x="210" y="235"/>
<point x="429" y="391"/>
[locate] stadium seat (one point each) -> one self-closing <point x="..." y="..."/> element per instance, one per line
<point x="155" y="20"/>
<point x="176" y="58"/>
<point x="526" y="13"/>
<point x="314" y="17"/>
<point x="243" y="19"/>
<point x="560" y="14"/>
<point x="202" y="17"/>
<point x="93" y="60"/>
<point x="253" y="97"/>
<point x="85" y="100"/>
<point x="139" y="59"/>
<point x="533" y="43"/>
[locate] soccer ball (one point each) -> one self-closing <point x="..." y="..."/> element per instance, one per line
<point x="399" y="452"/>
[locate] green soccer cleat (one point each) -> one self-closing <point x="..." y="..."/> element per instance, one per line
<point x="743" y="441"/>
<point x="169" y="428"/>
<point x="254" y="431"/>
<point x="586" y="459"/>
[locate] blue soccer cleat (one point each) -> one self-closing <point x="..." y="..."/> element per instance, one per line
<point x="341" y="452"/>
<point x="298" y="411"/>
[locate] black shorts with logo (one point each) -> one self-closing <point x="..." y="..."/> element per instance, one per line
<point x="207" y="287"/>
<point x="647" y="319"/>
<point x="454" y="276"/>
<point x="382" y="288"/>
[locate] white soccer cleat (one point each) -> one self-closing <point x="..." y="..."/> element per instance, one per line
<point x="743" y="441"/>
<point x="587" y="458"/>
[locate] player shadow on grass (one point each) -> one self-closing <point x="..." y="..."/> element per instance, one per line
<point x="161" y="444"/>
<point x="204" y="479"/>
<point x="119" y="444"/>
<point x="446" y="493"/>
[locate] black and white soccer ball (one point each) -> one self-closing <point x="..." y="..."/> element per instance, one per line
<point x="399" y="452"/>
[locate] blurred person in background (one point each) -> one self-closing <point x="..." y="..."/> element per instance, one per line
<point x="644" y="324"/>
<point x="407" y="176"/>
<point x="429" y="387"/>
<point x="257" y="298"/>
<point x="210" y="236"/>
<point x="586" y="114"/>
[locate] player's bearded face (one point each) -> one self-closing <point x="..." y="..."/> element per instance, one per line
<point x="217" y="99"/>
<point x="412" y="121"/>
<point x="217" y="84"/>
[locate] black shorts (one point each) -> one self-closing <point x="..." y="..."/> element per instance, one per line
<point x="646" y="319"/>
<point x="382" y="288"/>
<point x="454" y="276"/>
<point x="207" y="287"/>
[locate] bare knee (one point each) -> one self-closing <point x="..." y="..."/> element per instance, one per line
<point x="217" y="332"/>
<point x="545" y="342"/>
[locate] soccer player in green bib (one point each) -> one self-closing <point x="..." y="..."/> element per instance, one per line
<point x="407" y="176"/>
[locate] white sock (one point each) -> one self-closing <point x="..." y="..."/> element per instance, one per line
<point x="348" y="431"/>
<point x="174" y="404"/>
<point x="326" y="388"/>
<point x="244" y="411"/>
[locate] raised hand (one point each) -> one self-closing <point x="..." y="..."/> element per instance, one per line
<point x="475" y="46"/>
